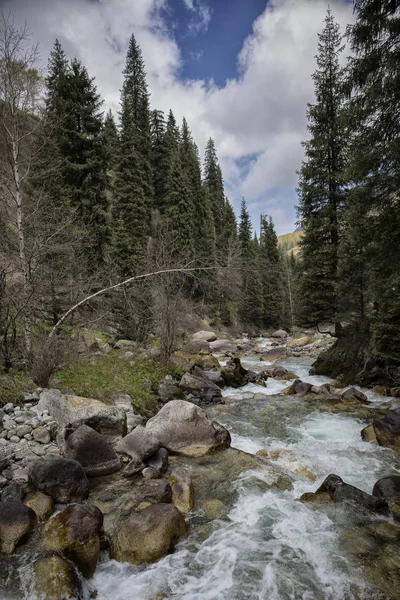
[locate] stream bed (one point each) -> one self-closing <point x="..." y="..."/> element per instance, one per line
<point x="270" y="546"/>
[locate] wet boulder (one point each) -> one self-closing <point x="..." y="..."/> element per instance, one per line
<point x="388" y="488"/>
<point x="148" y="536"/>
<point x="210" y="375"/>
<point x="368" y="435"/>
<point x="183" y="428"/>
<point x="273" y="354"/>
<point x="55" y="578"/>
<point x="63" y="479"/>
<point x="74" y="533"/>
<point x="16" y="523"/>
<point x="86" y="446"/>
<point x="12" y="492"/>
<point x="42" y="504"/>
<point x="182" y="490"/>
<point x="387" y="430"/>
<point x="200" y="388"/>
<point x="340" y="491"/>
<point x="135" y="466"/>
<point x="159" y="461"/>
<point x="235" y="375"/>
<point x="353" y="393"/>
<point x="140" y="443"/>
<point x="298" y="387"/>
<point x="109" y="421"/>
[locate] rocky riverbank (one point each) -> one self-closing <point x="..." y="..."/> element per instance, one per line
<point x="82" y="480"/>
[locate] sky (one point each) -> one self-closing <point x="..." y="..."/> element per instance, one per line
<point x="238" y="70"/>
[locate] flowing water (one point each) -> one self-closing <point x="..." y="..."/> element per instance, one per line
<point x="270" y="546"/>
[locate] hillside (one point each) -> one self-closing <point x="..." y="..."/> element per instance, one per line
<point x="290" y="241"/>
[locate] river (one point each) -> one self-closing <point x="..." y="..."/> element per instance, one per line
<point x="270" y="546"/>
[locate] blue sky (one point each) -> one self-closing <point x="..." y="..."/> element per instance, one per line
<point x="238" y="70"/>
<point x="210" y="46"/>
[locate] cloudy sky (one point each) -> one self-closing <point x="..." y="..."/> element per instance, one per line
<point x="239" y="70"/>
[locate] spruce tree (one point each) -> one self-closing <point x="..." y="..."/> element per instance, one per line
<point x="203" y="233"/>
<point x="251" y="300"/>
<point x="110" y="140"/>
<point x="133" y="182"/>
<point x="374" y="213"/>
<point x="157" y="125"/>
<point x="321" y="183"/>
<point x="270" y="272"/>
<point x="84" y="172"/>
<point x="70" y="162"/>
<point x="215" y="188"/>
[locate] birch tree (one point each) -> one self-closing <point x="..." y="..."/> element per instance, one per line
<point x="20" y="85"/>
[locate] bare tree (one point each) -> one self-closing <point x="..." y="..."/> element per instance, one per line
<point x="20" y="85"/>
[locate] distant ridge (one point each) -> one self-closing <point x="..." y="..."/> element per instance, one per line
<point x="290" y="242"/>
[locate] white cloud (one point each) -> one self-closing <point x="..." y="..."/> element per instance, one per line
<point x="262" y="112"/>
<point x="201" y="15"/>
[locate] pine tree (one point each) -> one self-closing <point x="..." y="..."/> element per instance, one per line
<point x="84" y="172"/>
<point x="133" y="184"/>
<point x="70" y="163"/>
<point x="110" y="140"/>
<point x="245" y="228"/>
<point x="270" y="272"/>
<point x="321" y="184"/>
<point x="157" y="124"/>
<point x="251" y="300"/>
<point x="374" y="216"/>
<point x="203" y="233"/>
<point x="215" y="188"/>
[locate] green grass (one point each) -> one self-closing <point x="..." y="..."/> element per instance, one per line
<point x="13" y="385"/>
<point x="105" y="376"/>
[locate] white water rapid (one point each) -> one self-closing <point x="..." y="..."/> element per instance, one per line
<point x="270" y="546"/>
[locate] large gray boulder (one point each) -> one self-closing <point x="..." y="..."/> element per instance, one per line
<point x="149" y="535"/>
<point x="388" y="488"/>
<point x="353" y="393"/>
<point x="201" y="388"/>
<point x="204" y="336"/>
<point x="223" y="347"/>
<point x="183" y="428"/>
<point x="109" y="421"/>
<point x="340" y="491"/>
<point x="85" y="445"/>
<point x="16" y="523"/>
<point x="139" y="443"/>
<point x="281" y="334"/>
<point x="63" y="479"/>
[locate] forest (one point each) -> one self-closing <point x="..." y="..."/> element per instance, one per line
<point x="91" y="200"/>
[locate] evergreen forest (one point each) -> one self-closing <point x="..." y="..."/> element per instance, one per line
<point x="93" y="203"/>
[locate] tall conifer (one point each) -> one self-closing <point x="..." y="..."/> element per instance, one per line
<point x="133" y="185"/>
<point x="321" y="184"/>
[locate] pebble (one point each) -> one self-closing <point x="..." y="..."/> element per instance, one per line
<point x="3" y="435"/>
<point x="20" y="420"/>
<point x="41" y="435"/>
<point x="14" y="439"/>
<point x="28" y="437"/>
<point x="39" y="451"/>
<point x="8" y="407"/>
<point x="3" y="441"/>
<point x="3" y="482"/>
<point x="12" y="433"/>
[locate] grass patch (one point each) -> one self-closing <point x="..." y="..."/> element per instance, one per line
<point x="105" y="376"/>
<point x="13" y="385"/>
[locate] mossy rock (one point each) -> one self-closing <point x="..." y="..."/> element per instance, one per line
<point x="213" y="509"/>
<point x="55" y="578"/>
<point x="42" y="504"/>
